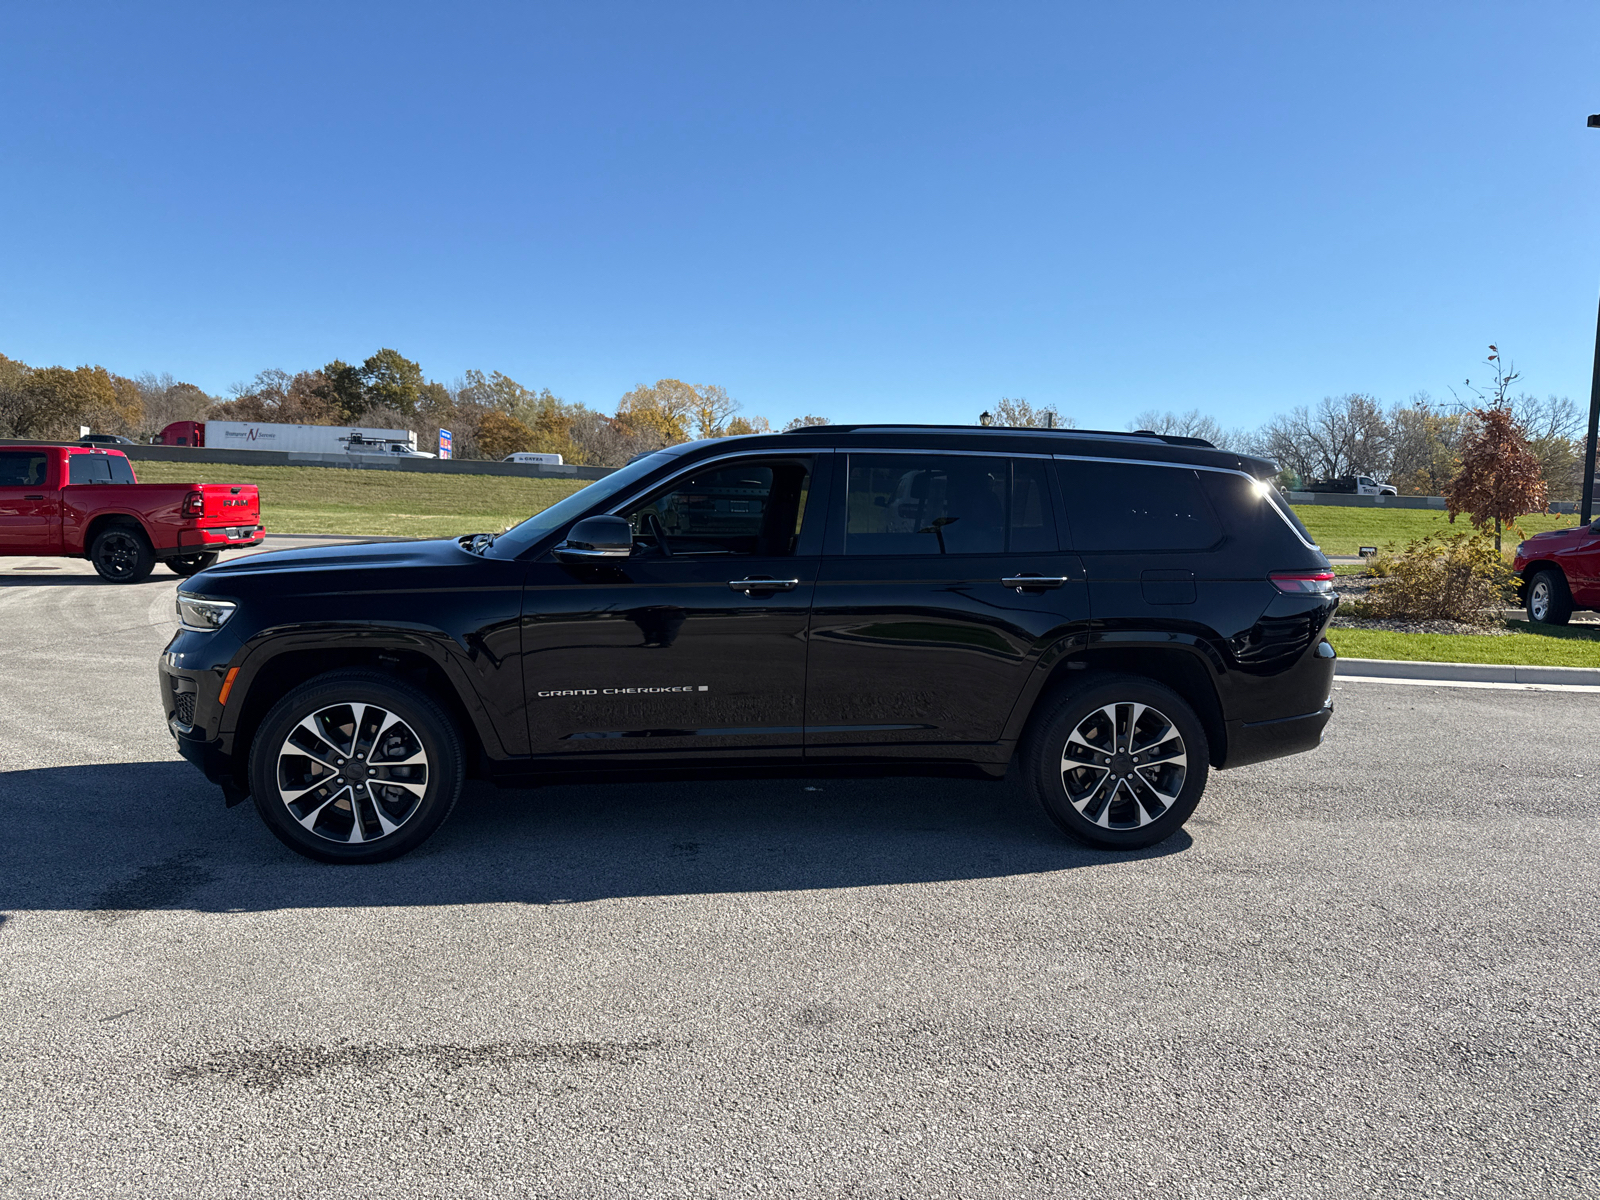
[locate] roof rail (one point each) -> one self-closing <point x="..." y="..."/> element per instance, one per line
<point x="1170" y="439"/>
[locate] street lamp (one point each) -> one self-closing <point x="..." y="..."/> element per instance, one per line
<point x="1594" y="407"/>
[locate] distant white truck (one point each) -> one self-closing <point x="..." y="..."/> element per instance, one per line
<point x="300" y="439"/>
<point x="530" y="457"/>
<point x="1352" y="485"/>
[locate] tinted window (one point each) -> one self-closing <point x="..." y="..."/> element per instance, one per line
<point x="22" y="468"/>
<point x="947" y="504"/>
<point x="1128" y="508"/>
<point x="1255" y="515"/>
<point x="121" y="469"/>
<point x="88" y="468"/>
<point x="745" y="508"/>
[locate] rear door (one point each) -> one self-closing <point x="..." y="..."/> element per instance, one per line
<point x="30" y="509"/>
<point x="696" y="645"/>
<point x="925" y="622"/>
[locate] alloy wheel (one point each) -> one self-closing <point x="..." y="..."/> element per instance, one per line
<point x="1123" y="766"/>
<point x="352" y="772"/>
<point x="119" y="553"/>
<point x="1539" y="600"/>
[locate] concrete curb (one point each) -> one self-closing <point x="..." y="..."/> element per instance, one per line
<point x="1383" y="668"/>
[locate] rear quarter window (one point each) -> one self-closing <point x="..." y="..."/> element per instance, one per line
<point x="1258" y="518"/>
<point x="1129" y="508"/>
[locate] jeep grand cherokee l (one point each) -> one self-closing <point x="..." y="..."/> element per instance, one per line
<point x="1119" y="613"/>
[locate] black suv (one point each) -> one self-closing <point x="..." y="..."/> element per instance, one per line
<point x="1118" y="613"/>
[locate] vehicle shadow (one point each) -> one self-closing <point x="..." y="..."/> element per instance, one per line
<point x="153" y="835"/>
<point x="60" y="579"/>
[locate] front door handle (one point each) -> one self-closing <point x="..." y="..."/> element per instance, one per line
<point x="763" y="585"/>
<point x="1035" y="581"/>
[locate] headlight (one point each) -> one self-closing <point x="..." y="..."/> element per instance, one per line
<point x="203" y="615"/>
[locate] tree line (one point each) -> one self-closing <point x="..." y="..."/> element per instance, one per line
<point x="1417" y="445"/>
<point x="488" y="415"/>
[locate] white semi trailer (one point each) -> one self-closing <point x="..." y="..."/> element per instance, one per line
<point x="301" y="439"/>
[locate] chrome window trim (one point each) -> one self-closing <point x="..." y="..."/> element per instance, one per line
<point x="972" y="453"/>
<point x="1182" y="466"/>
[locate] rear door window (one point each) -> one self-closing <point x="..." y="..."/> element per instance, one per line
<point x="903" y="504"/>
<point x="89" y="468"/>
<point x="1124" y="508"/>
<point x="22" y="468"/>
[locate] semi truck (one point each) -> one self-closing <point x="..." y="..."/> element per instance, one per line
<point x="303" y="439"/>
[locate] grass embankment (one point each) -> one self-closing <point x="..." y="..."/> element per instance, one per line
<point x="1535" y="646"/>
<point x="391" y="503"/>
<point x="1345" y="530"/>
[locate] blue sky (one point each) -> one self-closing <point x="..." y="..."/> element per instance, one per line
<point x="867" y="211"/>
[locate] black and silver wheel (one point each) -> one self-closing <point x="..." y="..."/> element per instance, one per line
<point x="192" y="564"/>
<point x="1118" y="761"/>
<point x="122" y="554"/>
<point x="1549" y="601"/>
<point x="354" y="767"/>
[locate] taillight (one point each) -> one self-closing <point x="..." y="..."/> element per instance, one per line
<point x="1301" y="582"/>
<point x="194" y="504"/>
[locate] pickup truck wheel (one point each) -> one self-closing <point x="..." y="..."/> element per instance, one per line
<point x="121" y="554"/>
<point x="1119" y="761"/>
<point x="1549" y="601"/>
<point x="354" y="767"/>
<point x="192" y="564"/>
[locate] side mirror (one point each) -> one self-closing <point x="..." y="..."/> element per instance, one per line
<point x="595" y="538"/>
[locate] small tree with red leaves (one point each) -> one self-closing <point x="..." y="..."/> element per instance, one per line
<point x="1499" y="479"/>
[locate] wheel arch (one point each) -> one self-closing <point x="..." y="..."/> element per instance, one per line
<point x="1189" y="667"/>
<point x="274" y="670"/>
<point x="102" y="521"/>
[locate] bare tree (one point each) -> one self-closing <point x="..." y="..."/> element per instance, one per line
<point x="806" y="422"/>
<point x="1016" y="413"/>
<point x="164" y="400"/>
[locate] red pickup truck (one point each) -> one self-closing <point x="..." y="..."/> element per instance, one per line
<point x="84" y="502"/>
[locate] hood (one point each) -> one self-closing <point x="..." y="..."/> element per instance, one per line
<point x="361" y="565"/>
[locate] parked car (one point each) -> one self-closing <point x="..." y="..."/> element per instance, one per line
<point x="1120" y="613"/>
<point x="85" y="502"/>
<point x="1352" y="485"/>
<point x="1559" y="571"/>
<point x="106" y="439"/>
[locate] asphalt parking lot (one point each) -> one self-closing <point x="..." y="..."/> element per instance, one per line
<point x="1364" y="971"/>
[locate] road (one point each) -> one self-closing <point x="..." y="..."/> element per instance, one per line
<point x="1369" y="970"/>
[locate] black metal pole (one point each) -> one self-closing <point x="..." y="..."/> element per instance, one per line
<point x="1594" y="426"/>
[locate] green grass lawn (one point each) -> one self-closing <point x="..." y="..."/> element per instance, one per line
<point x="1344" y="530"/>
<point x="1531" y="646"/>
<point x="392" y="503"/>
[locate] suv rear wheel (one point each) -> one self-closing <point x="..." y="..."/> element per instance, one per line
<point x="1549" y="601"/>
<point x="1118" y="761"/>
<point x="355" y="767"/>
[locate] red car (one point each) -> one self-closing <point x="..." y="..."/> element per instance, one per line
<point x="1560" y="571"/>
<point x="84" y="502"/>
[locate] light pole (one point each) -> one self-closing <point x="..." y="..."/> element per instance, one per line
<point x="1594" y="407"/>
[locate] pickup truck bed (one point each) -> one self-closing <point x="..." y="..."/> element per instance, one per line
<point x="85" y="502"/>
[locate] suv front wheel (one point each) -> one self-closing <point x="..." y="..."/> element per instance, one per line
<point x="1118" y="761"/>
<point x="355" y="767"/>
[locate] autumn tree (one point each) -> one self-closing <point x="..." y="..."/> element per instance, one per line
<point x="1013" y="412"/>
<point x="806" y="422"/>
<point x="500" y="434"/>
<point x="1499" y="479"/>
<point x="659" y="414"/>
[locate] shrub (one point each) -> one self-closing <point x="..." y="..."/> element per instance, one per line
<point x="1459" y="577"/>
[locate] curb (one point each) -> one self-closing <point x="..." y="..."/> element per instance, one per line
<point x="1383" y="668"/>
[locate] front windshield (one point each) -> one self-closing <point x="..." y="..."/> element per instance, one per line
<point x="521" y="536"/>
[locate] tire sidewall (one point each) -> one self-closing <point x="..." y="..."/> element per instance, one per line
<point x="1048" y="738"/>
<point x="427" y="720"/>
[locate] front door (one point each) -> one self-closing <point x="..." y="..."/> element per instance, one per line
<point x="30" y="516"/>
<point x="696" y="644"/>
<point x="925" y="623"/>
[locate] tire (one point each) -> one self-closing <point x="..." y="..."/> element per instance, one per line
<point x="1549" y="600"/>
<point x="122" y="554"/>
<point x="1107" y="798"/>
<point x="193" y="564"/>
<point x="320" y="820"/>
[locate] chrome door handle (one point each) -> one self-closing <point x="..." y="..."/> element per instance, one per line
<point x="763" y="585"/>
<point x="1036" y="581"/>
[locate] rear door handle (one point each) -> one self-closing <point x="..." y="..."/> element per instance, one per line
<point x="763" y="585"/>
<point x="33" y="497"/>
<point x="1035" y="581"/>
